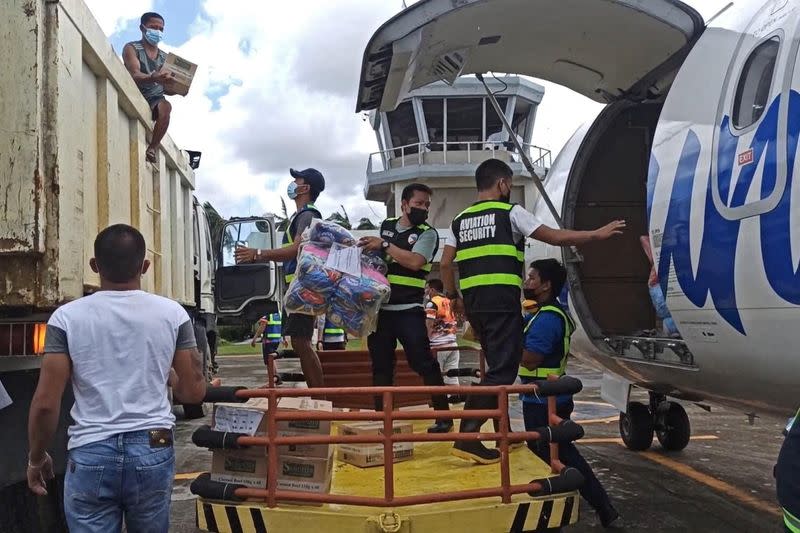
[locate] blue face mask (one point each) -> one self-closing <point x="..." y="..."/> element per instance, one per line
<point x="153" y="36"/>
<point x="291" y="190"/>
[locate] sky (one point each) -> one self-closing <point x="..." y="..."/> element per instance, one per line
<point x="276" y="89"/>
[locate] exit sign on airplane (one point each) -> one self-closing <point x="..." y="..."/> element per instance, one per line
<point x="745" y="158"/>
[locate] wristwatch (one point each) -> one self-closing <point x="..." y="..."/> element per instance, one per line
<point x="258" y="254"/>
<point x="385" y="245"/>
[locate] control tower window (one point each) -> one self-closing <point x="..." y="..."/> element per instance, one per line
<point x="403" y="129"/>
<point x="433" y="108"/>
<point x="522" y="114"/>
<point x="464" y="123"/>
<point x="493" y="122"/>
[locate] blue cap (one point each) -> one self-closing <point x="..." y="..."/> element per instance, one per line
<point x="310" y="176"/>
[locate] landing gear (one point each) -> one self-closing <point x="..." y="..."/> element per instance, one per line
<point x="636" y="427"/>
<point x="667" y="420"/>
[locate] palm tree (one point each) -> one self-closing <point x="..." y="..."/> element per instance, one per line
<point x="340" y="218"/>
<point x="366" y="224"/>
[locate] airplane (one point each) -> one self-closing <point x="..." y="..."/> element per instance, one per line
<point x="695" y="148"/>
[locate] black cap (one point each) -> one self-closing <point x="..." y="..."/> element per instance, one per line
<point x="310" y="176"/>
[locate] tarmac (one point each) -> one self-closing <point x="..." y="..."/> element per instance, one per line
<point x="721" y="482"/>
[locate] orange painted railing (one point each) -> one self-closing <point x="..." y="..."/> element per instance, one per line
<point x="503" y="435"/>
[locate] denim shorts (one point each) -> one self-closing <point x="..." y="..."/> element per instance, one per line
<point x="116" y="479"/>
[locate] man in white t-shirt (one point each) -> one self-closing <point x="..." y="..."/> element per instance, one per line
<point x="487" y="240"/>
<point x="116" y="347"/>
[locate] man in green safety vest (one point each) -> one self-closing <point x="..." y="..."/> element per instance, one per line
<point x="304" y="190"/>
<point x="545" y="349"/>
<point x="409" y="245"/>
<point x="787" y="476"/>
<point x="329" y="335"/>
<point x="487" y="240"/>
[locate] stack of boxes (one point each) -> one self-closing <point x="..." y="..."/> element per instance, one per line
<point x="365" y="455"/>
<point x="304" y="467"/>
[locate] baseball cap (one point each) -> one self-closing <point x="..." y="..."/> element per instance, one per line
<point x="311" y="176"/>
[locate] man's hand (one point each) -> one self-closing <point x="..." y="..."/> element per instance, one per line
<point x="253" y="343"/>
<point x="370" y="243"/>
<point x="457" y="307"/>
<point x="162" y="76"/>
<point x="39" y="473"/>
<point x="609" y="230"/>
<point x="245" y="255"/>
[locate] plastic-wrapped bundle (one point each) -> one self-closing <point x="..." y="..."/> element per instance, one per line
<point x="374" y="259"/>
<point x="350" y="301"/>
<point x="313" y="285"/>
<point x="327" y="233"/>
<point x="356" y="302"/>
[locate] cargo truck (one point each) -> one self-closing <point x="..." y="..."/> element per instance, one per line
<point x="73" y="133"/>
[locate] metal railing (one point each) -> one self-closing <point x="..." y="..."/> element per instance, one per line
<point x="466" y="150"/>
<point x="503" y="435"/>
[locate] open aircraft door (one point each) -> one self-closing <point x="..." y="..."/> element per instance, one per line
<point x="250" y="290"/>
<point x="603" y="49"/>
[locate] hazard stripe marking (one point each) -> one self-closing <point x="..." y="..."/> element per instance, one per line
<point x="519" y="518"/>
<point x="544" y="516"/>
<point x="567" y="517"/>
<point x="234" y="523"/>
<point x="258" y="521"/>
<point x="208" y="513"/>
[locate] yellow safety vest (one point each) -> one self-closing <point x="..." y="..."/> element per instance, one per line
<point x="569" y="328"/>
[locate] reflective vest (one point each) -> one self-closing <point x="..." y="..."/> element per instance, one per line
<point x="272" y="333"/>
<point x="569" y="328"/>
<point x="408" y="286"/>
<point x="332" y="333"/>
<point x="490" y="263"/>
<point x="288" y="238"/>
<point x="786" y="472"/>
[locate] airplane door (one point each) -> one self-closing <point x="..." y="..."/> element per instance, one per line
<point x="247" y="290"/>
<point x="749" y="169"/>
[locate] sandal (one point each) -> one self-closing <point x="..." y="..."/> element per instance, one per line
<point x="150" y="155"/>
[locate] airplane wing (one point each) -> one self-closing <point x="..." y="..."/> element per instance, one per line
<point x="602" y="49"/>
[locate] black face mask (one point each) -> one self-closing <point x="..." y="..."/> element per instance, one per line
<point x="417" y="215"/>
<point x="529" y="294"/>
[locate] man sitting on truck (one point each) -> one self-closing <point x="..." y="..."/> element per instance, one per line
<point x="144" y="60"/>
<point x="117" y="347"/>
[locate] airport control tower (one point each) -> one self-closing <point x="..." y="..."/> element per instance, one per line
<point x="441" y="133"/>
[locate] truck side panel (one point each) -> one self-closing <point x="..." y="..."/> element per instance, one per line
<point x="74" y="139"/>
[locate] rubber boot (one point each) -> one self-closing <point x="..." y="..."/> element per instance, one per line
<point x="474" y="450"/>
<point x="439" y="402"/>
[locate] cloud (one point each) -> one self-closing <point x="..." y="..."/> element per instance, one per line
<point x="114" y="15"/>
<point x="276" y="88"/>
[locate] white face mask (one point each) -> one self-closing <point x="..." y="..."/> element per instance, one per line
<point x="153" y="36"/>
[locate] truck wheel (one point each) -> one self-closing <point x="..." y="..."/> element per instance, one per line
<point x="673" y="429"/>
<point x="636" y="427"/>
<point x="192" y="411"/>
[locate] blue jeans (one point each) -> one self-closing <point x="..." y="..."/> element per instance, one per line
<point x="116" y="477"/>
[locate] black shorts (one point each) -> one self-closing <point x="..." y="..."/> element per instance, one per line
<point x="153" y="103"/>
<point x="297" y="325"/>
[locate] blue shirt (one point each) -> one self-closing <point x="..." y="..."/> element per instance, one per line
<point x="545" y="337"/>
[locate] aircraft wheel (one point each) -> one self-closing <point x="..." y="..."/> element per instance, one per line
<point x="636" y="427"/>
<point x="673" y="430"/>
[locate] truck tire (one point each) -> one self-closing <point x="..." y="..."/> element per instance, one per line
<point x="193" y="411"/>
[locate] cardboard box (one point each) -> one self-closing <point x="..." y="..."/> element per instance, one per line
<point x="305" y="474"/>
<point x="248" y="418"/>
<point x="183" y="72"/>
<point x="366" y="455"/>
<point x="373" y="455"/>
